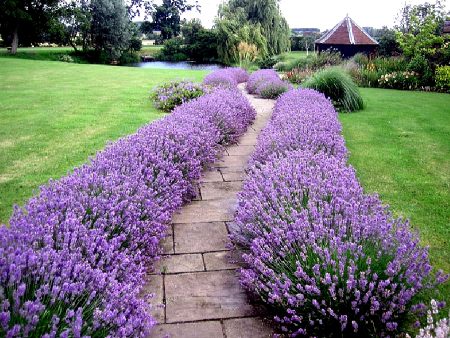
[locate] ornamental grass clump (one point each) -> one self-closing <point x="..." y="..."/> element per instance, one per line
<point x="226" y="77"/>
<point x="267" y="84"/>
<point x="338" y="86"/>
<point x="73" y="261"/>
<point x="170" y="95"/>
<point x="329" y="260"/>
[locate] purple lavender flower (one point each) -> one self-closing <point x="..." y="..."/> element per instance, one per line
<point x="74" y="259"/>
<point x="329" y="259"/>
<point x="267" y="84"/>
<point x="226" y="77"/>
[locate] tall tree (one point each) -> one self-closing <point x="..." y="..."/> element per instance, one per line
<point x="30" y="18"/>
<point x="111" y="28"/>
<point x="167" y="17"/>
<point x="269" y="31"/>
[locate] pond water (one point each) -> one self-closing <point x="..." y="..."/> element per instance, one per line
<point x="176" y="65"/>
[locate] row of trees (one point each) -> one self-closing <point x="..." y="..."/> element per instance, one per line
<point x="104" y="27"/>
<point x="244" y="31"/>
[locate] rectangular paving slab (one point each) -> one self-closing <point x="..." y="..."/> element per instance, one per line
<point x="207" y="295"/>
<point x="233" y="162"/>
<point x="233" y="176"/>
<point x="240" y="150"/>
<point x="181" y="263"/>
<point x="219" y="261"/>
<point x="200" y="237"/>
<point x="247" y="327"/>
<point x="211" y="176"/>
<point x="209" y="329"/>
<point x="206" y="211"/>
<point x="220" y="190"/>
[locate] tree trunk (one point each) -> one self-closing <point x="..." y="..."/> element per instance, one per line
<point x="15" y="41"/>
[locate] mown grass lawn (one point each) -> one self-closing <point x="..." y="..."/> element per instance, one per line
<point x="54" y="115"/>
<point x="400" y="146"/>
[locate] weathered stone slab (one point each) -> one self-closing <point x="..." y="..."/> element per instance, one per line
<point x="155" y="286"/>
<point x="206" y="211"/>
<point x="219" y="261"/>
<point x="167" y="242"/>
<point x="240" y="150"/>
<point x="247" y="327"/>
<point x="207" y="295"/>
<point x="249" y="139"/>
<point x="200" y="237"/>
<point x="212" y="176"/>
<point x="220" y="190"/>
<point x="181" y="263"/>
<point x="234" y="176"/>
<point x="232" y="162"/>
<point x="209" y="329"/>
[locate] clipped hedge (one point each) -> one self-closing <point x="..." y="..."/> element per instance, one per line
<point x="267" y="84"/>
<point x="327" y="258"/>
<point x="226" y="77"/>
<point x="73" y="261"/>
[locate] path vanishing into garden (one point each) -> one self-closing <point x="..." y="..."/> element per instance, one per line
<point x="197" y="288"/>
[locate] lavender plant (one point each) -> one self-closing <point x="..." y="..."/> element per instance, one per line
<point x="226" y="77"/>
<point x="170" y="95"/>
<point x="327" y="258"/>
<point x="73" y="261"/>
<point x="267" y="84"/>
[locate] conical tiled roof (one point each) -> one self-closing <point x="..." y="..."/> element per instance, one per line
<point x="347" y="32"/>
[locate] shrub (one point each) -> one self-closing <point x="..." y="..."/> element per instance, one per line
<point x="273" y="89"/>
<point x="173" y="50"/>
<point x="66" y="58"/>
<point x="326" y="258"/>
<point x="74" y="260"/>
<point x="399" y="80"/>
<point x="172" y="94"/>
<point x="226" y="77"/>
<point x="266" y="83"/>
<point x="267" y="62"/>
<point x="420" y="66"/>
<point x="326" y="59"/>
<point x="297" y="76"/>
<point x="337" y="85"/>
<point x="443" y="78"/>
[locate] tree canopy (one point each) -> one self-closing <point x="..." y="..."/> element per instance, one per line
<point x="255" y="22"/>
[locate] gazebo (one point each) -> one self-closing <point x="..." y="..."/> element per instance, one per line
<point x="348" y="38"/>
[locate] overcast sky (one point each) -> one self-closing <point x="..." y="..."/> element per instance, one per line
<point x="323" y="14"/>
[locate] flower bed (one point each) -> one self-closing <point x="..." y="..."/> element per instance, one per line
<point x="327" y="258"/>
<point x="74" y="259"/>
<point x="226" y="77"/>
<point x="267" y="84"/>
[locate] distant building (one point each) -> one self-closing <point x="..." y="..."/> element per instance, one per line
<point x="446" y="27"/>
<point x="305" y="31"/>
<point x="348" y="38"/>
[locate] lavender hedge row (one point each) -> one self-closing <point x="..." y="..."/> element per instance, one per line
<point x="327" y="258"/>
<point x="73" y="261"/>
<point x="226" y="77"/>
<point x="267" y="84"/>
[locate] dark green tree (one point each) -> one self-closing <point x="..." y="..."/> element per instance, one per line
<point x="27" y="20"/>
<point x="111" y="30"/>
<point x="167" y="17"/>
<point x="257" y="22"/>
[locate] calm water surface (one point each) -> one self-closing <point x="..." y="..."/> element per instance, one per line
<point x="177" y="65"/>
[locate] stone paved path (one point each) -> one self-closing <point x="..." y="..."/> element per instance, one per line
<point x="196" y="285"/>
